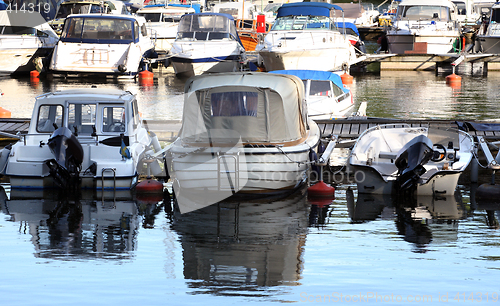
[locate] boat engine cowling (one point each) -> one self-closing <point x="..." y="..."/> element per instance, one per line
<point x="68" y="157"/>
<point x="410" y="162"/>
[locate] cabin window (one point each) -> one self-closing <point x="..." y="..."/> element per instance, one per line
<point x="17" y="30"/>
<point x="288" y="23"/>
<point x="236" y="103"/>
<point x="319" y="88"/>
<point x="424" y="12"/>
<point x="47" y="116"/>
<point x="81" y="118"/>
<point x="113" y="119"/>
<point x="151" y="17"/>
<point x="136" y="31"/>
<point x="95" y="29"/>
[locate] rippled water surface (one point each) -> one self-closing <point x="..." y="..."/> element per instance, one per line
<point x="79" y="249"/>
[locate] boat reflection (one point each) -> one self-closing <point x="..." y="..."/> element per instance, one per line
<point x="236" y="246"/>
<point x="420" y="220"/>
<point x="75" y="227"/>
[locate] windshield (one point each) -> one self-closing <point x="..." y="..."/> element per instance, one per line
<point x="91" y="29"/>
<point x="425" y="12"/>
<point x="288" y="23"/>
<point x="78" y="8"/>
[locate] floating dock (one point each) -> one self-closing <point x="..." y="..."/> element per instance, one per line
<point x="351" y="128"/>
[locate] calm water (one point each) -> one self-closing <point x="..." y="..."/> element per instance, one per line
<point x="79" y="249"/>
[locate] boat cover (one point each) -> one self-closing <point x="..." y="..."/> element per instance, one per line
<point x="317" y="75"/>
<point x="348" y="25"/>
<point x="307" y="9"/>
<point x="258" y="107"/>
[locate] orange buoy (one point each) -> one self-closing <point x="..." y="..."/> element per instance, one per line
<point x="4" y="113"/>
<point x="34" y="74"/>
<point x="454" y="80"/>
<point x="149" y="186"/>
<point x="346" y="79"/>
<point x="146" y="77"/>
<point x="321" y="190"/>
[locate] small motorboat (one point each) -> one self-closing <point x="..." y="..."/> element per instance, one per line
<point x="251" y="31"/>
<point x="489" y="32"/>
<point x="206" y="43"/>
<point x="425" y="160"/>
<point x="326" y="96"/>
<point x="89" y="138"/>
<point x="102" y="44"/>
<point x="242" y="132"/>
<point x="305" y="36"/>
<point x="22" y="43"/>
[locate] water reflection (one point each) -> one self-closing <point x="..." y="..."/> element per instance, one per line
<point x="421" y="220"/>
<point x="232" y="247"/>
<point x="64" y="226"/>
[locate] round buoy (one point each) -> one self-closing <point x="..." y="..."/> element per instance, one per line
<point x="453" y="79"/>
<point x="149" y="186"/>
<point x="320" y="202"/>
<point x="146" y="77"/>
<point x="321" y="190"/>
<point x="4" y="113"/>
<point x="149" y="198"/>
<point x="346" y="79"/>
<point x="34" y="74"/>
<point x="488" y="192"/>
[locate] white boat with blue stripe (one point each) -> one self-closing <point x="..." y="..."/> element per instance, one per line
<point x="206" y="43"/>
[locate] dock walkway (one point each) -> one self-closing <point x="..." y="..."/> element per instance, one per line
<point x="167" y="130"/>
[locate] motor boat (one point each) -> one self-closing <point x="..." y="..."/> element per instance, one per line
<point x="164" y="21"/>
<point x="388" y="159"/>
<point x="489" y="33"/>
<point x="304" y="36"/>
<point x="424" y="27"/>
<point x="22" y="42"/>
<point x="88" y="138"/>
<point x="326" y="96"/>
<point x="107" y="44"/>
<point x="242" y="133"/>
<point x="206" y="43"/>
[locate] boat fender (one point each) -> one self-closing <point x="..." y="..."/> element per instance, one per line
<point x="4" y="156"/>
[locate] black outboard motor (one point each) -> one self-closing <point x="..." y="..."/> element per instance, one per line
<point x="68" y="153"/>
<point x="411" y="160"/>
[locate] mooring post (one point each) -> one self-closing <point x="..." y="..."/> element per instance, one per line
<point x="474" y="171"/>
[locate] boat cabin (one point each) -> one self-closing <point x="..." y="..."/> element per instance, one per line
<point x="207" y="26"/>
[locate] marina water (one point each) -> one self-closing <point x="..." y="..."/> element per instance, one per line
<point x="78" y="249"/>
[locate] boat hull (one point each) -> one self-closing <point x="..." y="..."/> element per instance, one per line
<point x="436" y="44"/>
<point x="328" y="59"/>
<point x="189" y="67"/>
<point x="489" y="44"/>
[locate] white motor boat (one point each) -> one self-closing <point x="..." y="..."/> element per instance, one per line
<point x="102" y="44"/>
<point x="206" y="43"/>
<point x="241" y="132"/>
<point x="326" y="96"/>
<point x="21" y="42"/>
<point x="489" y="34"/>
<point x="91" y="138"/>
<point x="304" y="36"/>
<point x="361" y="14"/>
<point x="424" y="26"/>
<point x="389" y="159"/>
<point x="164" y="21"/>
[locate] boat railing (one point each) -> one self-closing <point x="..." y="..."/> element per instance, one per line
<point x="114" y="177"/>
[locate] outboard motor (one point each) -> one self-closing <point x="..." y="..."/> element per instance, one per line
<point x="411" y="160"/>
<point x="68" y="153"/>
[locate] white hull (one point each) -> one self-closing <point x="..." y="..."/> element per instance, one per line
<point x="12" y="59"/>
<point x="436" y="44"/>
<point x="195" y="58"/>
<point x="318" y="50"/>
